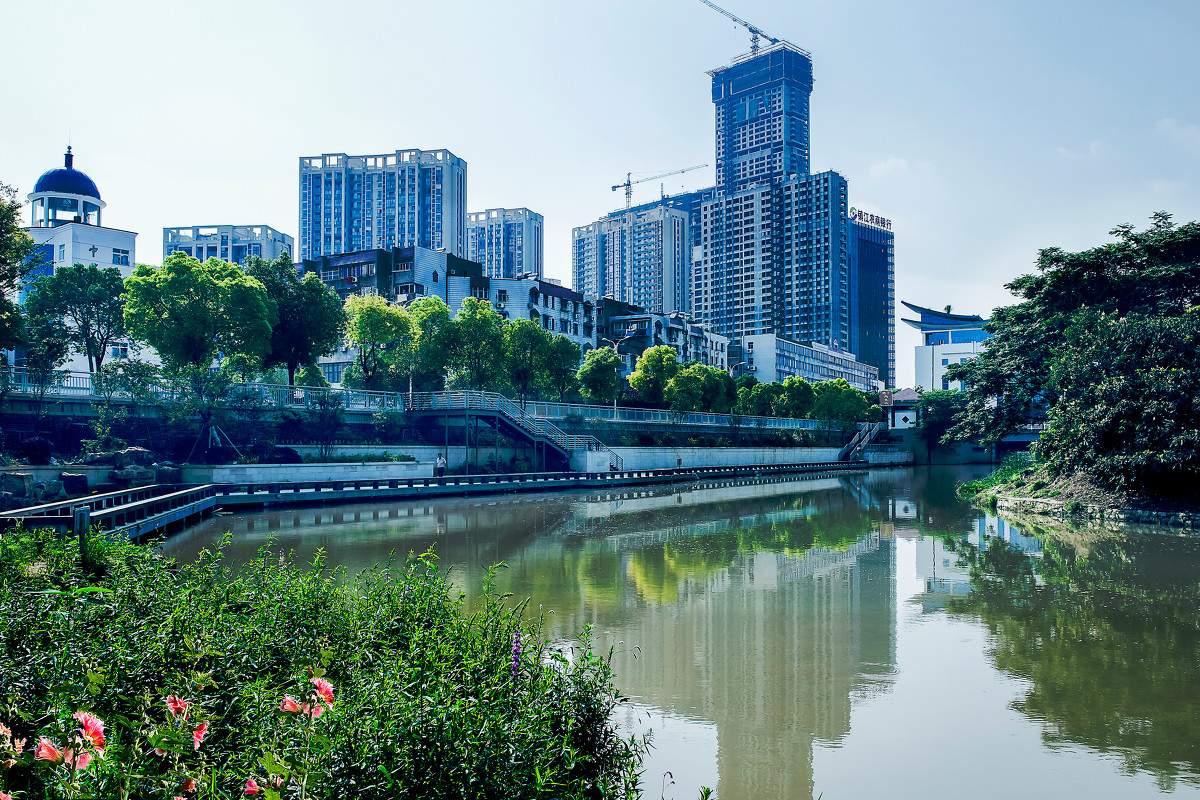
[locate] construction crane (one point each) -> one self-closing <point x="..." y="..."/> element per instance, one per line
<point x="629" y="182"/>
<point x="755" y="31"/>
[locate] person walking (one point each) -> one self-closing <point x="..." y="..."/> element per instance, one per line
<point x="441" y="465"/>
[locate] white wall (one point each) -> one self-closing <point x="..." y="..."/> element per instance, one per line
<point x="670" y="457"/>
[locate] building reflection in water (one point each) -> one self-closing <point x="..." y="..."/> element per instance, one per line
<point x="745" y="617"/>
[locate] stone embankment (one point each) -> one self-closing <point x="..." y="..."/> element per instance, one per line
<point x="1058" y="509"/>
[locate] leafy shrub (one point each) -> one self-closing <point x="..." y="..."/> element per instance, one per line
<point x="389" y="426"/>
<point x="36" y="450"/>
<point x="433" y="699"/>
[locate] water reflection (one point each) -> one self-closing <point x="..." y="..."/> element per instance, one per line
<point x="761" y="627"/>
<point x="1103" y="625"/>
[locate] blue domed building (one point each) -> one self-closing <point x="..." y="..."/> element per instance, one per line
<point x="65" y="222"/>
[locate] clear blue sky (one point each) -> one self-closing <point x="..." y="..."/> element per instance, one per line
<point x="984" y="130"/>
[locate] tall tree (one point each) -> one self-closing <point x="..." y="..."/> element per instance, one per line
<point x="685" y="390"/>
<point x="562" y="364"/>
<point x="600" y="375"/>
<point x="432" y="346"/>
<point x="1155" y="272"/>
<point x="527" y="345"/>
<point x="936" y="412"/>
<point x="655" y="367"/>
<point x="310" y="314"/>
<point x="478" y="357"/>
<point x="45" y="349"/>
<point x="89" y="299"/>
<point x="17" y="258"/>
<point x="376" y="327"/>
<point x="839" y="403"/>
<point x="189" y="311"/>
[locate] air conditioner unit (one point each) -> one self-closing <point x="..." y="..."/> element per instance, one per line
<point x="499" y="305"/>
<point x="752" y="369"/>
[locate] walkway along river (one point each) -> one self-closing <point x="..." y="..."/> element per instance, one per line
<point x="857" y="635"/>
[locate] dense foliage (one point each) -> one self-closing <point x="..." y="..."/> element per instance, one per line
<point x="16" y="261"/>
<point x="306" y="683"/>
<point x="1106" y="340"/>
<point x="87" y="297"/>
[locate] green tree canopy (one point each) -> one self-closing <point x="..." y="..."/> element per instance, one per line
<point x="310" y="314"/>
<point x="378" y="329"/>
<point x="45" y="347"/>
<point x="797" y="399"/>
<point x="527" y="346"/>
<point x="600" y="375"/>
<point x="17" y="258"/>
<point x="89" y="300"/>
<point x="188" y="310"/>
<point x="655" y="368"/>
<point x="839" y="403"/>
<point x="1155" y="272"/>
<point x="478" y="358"/>
<point x="433" y="345"/>
<point x="562" y="364"/>
<point x="936" y="413"/>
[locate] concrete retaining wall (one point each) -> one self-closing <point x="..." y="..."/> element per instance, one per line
<point x="1058" y="510"/>
<point x="670" y="457"/>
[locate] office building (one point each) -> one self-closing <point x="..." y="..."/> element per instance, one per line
<point x="232" y="243"/>
<point x="506" y="241"/>
<point x="945" y="339"/>
<point x="640" y="255"/>
<point x="770" y="358"/>
<point x="873" y="293"/>
<point x="409" y="198"/>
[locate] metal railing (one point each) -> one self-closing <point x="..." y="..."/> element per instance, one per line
<point x="861" y="439"/>
<point x="79" y="385"/>
<point x="660" y="417"/>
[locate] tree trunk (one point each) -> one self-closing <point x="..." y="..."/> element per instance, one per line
<point x="292" y="374"/>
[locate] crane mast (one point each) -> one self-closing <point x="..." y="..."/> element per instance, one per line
<point x="629" y="182"/>
<point x="755" y="31"/>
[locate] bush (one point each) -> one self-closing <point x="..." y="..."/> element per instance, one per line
<point x="429" y="698"/>
<point x="36" y="450"/>
<point x="389" y="426"/>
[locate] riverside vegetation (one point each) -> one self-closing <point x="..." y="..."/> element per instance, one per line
<point x="130" y="676"/>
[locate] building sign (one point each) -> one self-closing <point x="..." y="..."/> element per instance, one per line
<point x="858" y="215"/>
<point x="885" y="399"/>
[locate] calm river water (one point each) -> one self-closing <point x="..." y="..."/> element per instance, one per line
<point x="864" y="636"/>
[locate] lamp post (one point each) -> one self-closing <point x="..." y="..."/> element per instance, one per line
<point x="733" y="367"/>
<point x="617" y="349"/>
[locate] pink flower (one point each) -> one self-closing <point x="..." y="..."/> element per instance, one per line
<point x="93" y="729"/>
<point x="158" y="751"/>
<point x="4" y="796"/>
<point x="324" y="689"/>
<point x="315" y="712"/>
<point x="80" y="763"/>
<point x="177" y="706"/>
<point x="4" y="731"/>
<point x="289" y="704"/>
<point x="189" y="785"/>
<point x="46" y="751"/>
<point x="18" y="745"/>
<point x="199" y="734"/>
<point x="177" y="797"/>
<point x="8" y="763"/>
<point x="251" y="787"/>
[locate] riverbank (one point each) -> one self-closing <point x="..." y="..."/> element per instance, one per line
<point x="296" y="679"/>
<point x="1018" y="486"/>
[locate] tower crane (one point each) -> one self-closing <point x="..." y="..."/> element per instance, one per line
<point x="629" y="182"/>
<point x="755" y="31"/>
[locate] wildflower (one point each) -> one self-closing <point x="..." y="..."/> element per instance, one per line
<point x="46" y="751"/>
<point x="8" y="763"/>
<point x="4" y="796"/>
<point x="289" y="704"/>
<point x="4" y="731"/>
<point x="18" y="745"/>
<point x="177" y="706"/>
<point x="324" y="689"/>
<point x="315" y="711"/>
<point x="251" y="787"/>
<point x="93" y="729"/>
<point x="199" y="734"/>
<point x="78" y="763"/>
<point x="189" y="785"/>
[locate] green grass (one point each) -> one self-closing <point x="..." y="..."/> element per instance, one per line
<point x="1008" y="471"/>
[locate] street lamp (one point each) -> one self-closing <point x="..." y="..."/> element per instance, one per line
<point x="617" y="349"/>
<point x="733" y="367"/>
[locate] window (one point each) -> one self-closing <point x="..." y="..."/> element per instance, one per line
<point x="120" y="351"/>
<point x="121" y="257"/>
<point x="62" y="252"/>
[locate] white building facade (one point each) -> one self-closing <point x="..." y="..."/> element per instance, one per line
<point x="232" y="243"/>
<point x="506" y="241"/>
<point x="946" y="339"/>
<point x="770" y="358"/>
<point x="409" y="198"/>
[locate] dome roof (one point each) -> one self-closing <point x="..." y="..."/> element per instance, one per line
<point x="67" y="180"/>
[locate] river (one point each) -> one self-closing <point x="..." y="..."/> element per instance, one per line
<point x="859" y="636"/>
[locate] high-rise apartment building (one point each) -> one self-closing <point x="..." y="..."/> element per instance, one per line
<point x="232" y="243"/>
<point x="402" y="199"/>
<point x="640" y="255"/>
<point x="873" y="293"/>
<point x="506" y="241"/>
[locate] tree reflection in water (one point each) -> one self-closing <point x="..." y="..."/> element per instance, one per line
<point x="1105" y="629"/>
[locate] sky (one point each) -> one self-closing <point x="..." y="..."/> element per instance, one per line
<point x="983" y="130"/>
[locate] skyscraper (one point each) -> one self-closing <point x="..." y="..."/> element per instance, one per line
<point x="873" y="293"/>
<point x="640" y="255"/>
<point x="506" y="241"/>
<point x="402" y="199"/>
